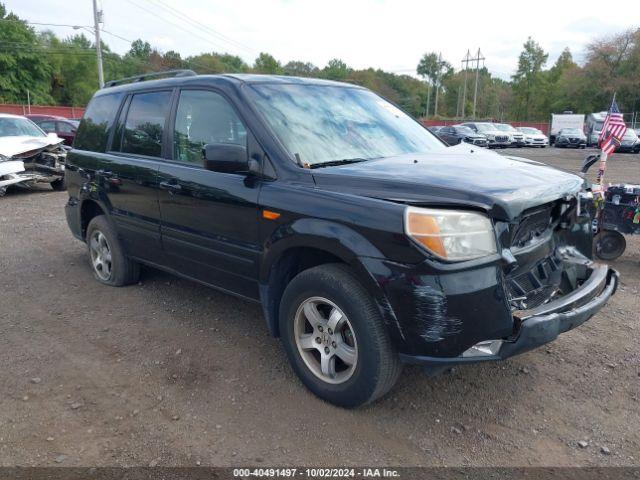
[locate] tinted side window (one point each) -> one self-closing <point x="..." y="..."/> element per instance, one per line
<point x="204" y="117"/>
<point x="93" y="130"/>
<point x="64" y="127"/>
<point x="144" y="126"/>
<point x="47" y="126"/>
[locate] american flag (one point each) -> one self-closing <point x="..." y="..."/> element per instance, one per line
<point x="613" y="130"/>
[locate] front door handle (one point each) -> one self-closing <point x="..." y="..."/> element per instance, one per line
<point x="172" y="187"/>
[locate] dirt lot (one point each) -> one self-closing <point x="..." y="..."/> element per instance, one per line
<point x="172" y="373"/>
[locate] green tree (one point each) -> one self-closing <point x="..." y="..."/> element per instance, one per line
<point x="528" y="81"/>
<point x="613" y="66"/>
<point x="434" y="70"/>
<point x="266" y="63"/>
<point x="75" y="73"/>
<point x="336" y="69"/>
<point x="23" y="62"/>
<point x="300" y="69"/>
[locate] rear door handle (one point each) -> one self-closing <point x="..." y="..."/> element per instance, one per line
<point x="170" y="186"/>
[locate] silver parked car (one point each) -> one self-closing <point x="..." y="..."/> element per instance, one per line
<point x="516" y="138"/>
<point x="495" y="138"/>
<point x="534" y="137"/>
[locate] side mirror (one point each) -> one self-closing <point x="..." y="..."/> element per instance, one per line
<point x="225" y="158"/>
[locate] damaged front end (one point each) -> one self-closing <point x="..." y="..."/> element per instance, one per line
<point x="25" y="162"/>
<point x="541" y="283"/>
<point x="48" y="162"/>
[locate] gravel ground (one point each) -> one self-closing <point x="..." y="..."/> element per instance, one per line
<point x="171" y="373"/>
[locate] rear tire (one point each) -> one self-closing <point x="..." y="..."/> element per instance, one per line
<point x="106" y="256"/>
<point x="609" y="244"/>
<point x="312" y="303"/>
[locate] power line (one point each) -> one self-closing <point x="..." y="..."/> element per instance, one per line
<point x="208" y="40"/>
<point x="90" y="29"/>
<point x="43" y="24"/>
<point x="75" y="27"/>
<point x="201" y="26"/>
<point x="116" y="35"/>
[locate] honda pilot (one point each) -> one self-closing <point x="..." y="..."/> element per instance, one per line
<point x="368" y="242"/>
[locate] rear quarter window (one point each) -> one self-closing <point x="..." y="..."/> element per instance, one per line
<point x="93" y="131"/>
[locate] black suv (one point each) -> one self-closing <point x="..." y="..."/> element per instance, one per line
<point x="366" y="240"/>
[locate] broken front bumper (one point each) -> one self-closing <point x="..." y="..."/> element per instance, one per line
<point x="536" y="326"/>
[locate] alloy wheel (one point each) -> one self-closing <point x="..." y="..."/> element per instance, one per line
<point x="325" y="340"/>
<point x="100" y="255"/>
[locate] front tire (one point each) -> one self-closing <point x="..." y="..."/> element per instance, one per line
<point x="334" y="336"/>
<point x="59" y="185"/>
<point x="106" y="256"/>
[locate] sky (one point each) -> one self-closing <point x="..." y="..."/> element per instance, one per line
<point x="386" y="34"/>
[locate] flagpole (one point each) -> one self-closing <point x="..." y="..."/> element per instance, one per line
<point x="602" y="167"/>
<point x="603" y="155"/>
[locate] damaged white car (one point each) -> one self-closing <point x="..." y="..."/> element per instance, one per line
<point x="28" y="155"/>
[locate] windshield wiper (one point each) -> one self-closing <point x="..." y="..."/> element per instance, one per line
<point x="333" y="163"/>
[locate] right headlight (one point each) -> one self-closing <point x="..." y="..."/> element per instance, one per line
<point x="453" y="235"/>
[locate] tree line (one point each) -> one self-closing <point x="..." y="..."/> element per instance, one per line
<point x="62" y="71"/>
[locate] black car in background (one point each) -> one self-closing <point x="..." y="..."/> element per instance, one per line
<point x="630" y="143"/>
<point x="571" y="137"/>
<point x="367" y="242"/>
<point x="456" y="134"/>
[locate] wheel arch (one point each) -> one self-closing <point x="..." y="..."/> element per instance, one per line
<point x="309" y="243"/>
<point x="89" y="209"/>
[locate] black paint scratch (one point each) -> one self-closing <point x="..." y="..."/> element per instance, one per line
<point x="431" y="310"/>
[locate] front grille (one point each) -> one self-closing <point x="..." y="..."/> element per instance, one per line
<point x="502" y="138"/>
<point x="538" y="285"/>
<point x="574" y="140"/>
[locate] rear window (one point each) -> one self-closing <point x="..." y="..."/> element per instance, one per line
<point x="93" y="131"/>
<point x="144" y="127"/>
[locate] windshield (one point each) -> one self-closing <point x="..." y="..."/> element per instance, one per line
<point x="465" y="131"/>
<point x="570" y="131"/>
<point x="504" y="127"/>
<point x="485" y="127"/>
<point x="597" y="126"/>
<point x="320" y="124"/>
<point x="629" y="134"/>
<point x="16" y="127"/>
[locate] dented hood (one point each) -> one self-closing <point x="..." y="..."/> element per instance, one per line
<point x="12" y="146"/>
<point x="461" y="176"/>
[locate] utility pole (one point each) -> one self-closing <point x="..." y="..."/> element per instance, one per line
<point x="428" y="98"/>
<point x="465" y="62"/>
<point x="97" y="18"/>
<point x="475" y="93"/>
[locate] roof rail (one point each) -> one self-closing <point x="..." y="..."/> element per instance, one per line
<point x="150" y="75"/>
